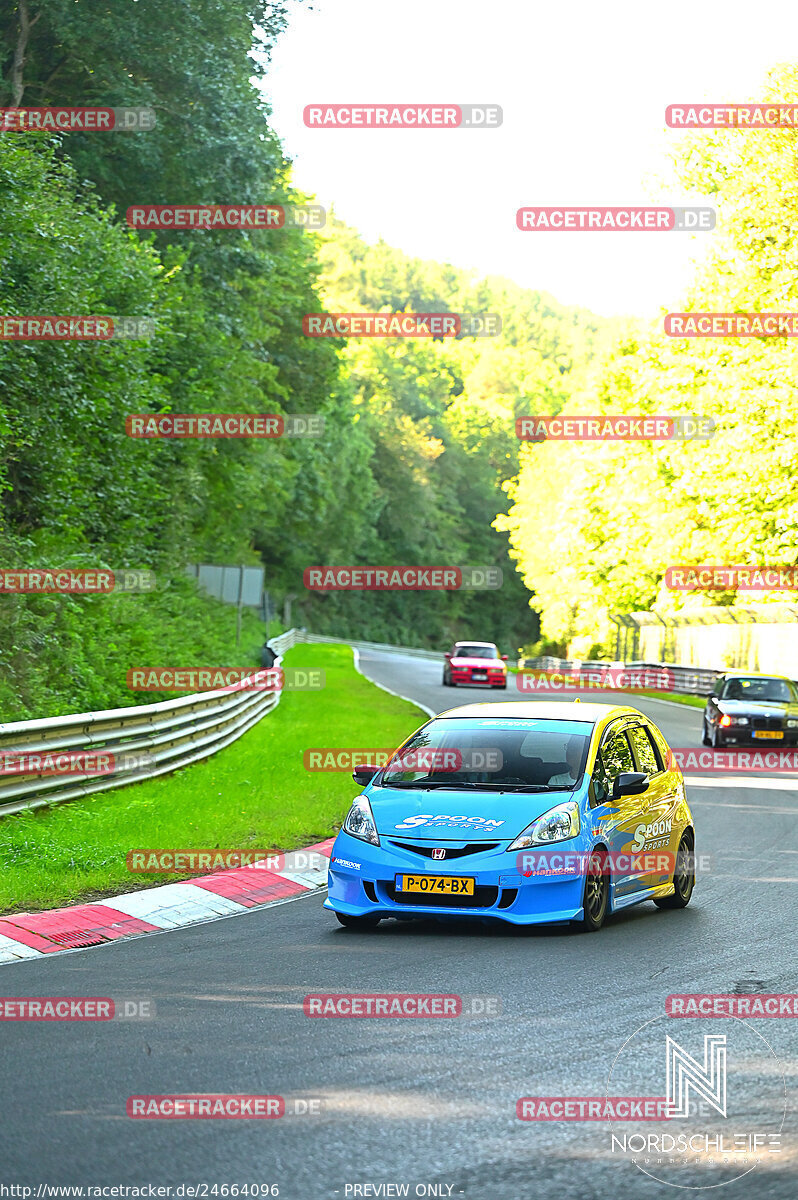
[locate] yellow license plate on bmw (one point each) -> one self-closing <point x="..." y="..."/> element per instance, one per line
<point x="767" y="733"/>
<point x="437" y="885"/>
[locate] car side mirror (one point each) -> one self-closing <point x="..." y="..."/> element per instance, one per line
<point x="629" y="783"/>
<point x="448" y="654"/>
<point x="504" y="658"/>
<point x="365" y="774"/>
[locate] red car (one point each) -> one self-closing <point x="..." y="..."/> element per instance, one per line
<point x="475" y="662"/>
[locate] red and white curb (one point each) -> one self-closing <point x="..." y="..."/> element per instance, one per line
<point x="222" y="894"/>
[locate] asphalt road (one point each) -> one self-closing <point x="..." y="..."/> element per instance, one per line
<point x="430" y="1104"/>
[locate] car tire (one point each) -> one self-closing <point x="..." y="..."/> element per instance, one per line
<point x="683" y="879"/>
<point x="445" y="680"/>
<point x="715" y="740"/>
<point x="596" y="898"/>
<point x="361" y="923"/>
<point x="706" y="740"/>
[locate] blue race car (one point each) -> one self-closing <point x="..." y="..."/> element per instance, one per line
<point x="524" y="812"/>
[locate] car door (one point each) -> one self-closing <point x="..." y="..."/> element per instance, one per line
<point x="620" y="817"/>
<point x="655" y="829"/>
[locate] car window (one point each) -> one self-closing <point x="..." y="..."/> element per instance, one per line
<point x="476" y="652"/>
<point x="756" y="689"/>
<point x="613" y="757"/>
<point x="644" y="750"/>
<point x="617" y="756"/>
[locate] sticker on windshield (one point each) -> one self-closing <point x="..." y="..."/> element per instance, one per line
<point x="446" y="822"/>
<point x="544" y="724"/>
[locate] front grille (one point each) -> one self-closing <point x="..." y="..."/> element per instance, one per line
<point x="368" y="888"/>
<point x="768" y="723"/>
<point x="508" y="897"/>
<point x="451" y="851"/>
<point x="484" y="897"/>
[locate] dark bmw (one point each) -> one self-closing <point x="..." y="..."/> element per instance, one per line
<point x="752" y="709"/>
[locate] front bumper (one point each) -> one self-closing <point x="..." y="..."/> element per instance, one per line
<point x="741" y="735"/>
<point x="361" y="883"/>
<point x="488" y="678"/>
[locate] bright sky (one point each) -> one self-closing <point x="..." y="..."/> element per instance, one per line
<point x="583" y="84"/>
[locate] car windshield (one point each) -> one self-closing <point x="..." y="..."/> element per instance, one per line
<point x="502" y="754"/>
<point x="476" y="652"/>
<point x="756" y="689"/>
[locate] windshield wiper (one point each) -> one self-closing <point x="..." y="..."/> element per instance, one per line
<point x="440" y="783"/>
<point x="536" y="787"/>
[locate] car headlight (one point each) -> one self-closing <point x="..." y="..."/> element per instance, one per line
<point x="556" y="825"/>
<point x="792" y="724"/>
<point x="727" y="721"/>
<point x="360" y="822"/>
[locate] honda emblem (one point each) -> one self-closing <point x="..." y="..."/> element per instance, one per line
<point x="439" y="853"/>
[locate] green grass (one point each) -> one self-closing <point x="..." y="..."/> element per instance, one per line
<point x="256" y="793"/>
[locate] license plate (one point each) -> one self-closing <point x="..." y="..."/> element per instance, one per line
<point x="479" y="675"/>
<point x="447" y="885"/>
<point x="768" y="733"/>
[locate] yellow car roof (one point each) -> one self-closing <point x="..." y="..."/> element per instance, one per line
<point x="563" y="710"/>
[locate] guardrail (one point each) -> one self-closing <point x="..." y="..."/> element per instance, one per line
<point x="145" y="740"/>
<point x="689" y="681"/>
<point x="149" y="740"/>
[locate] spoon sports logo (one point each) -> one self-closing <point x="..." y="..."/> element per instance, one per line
<point x="430" y="821"/>
<point x="724" y="1103"/>
<point x="652" y="835"/>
